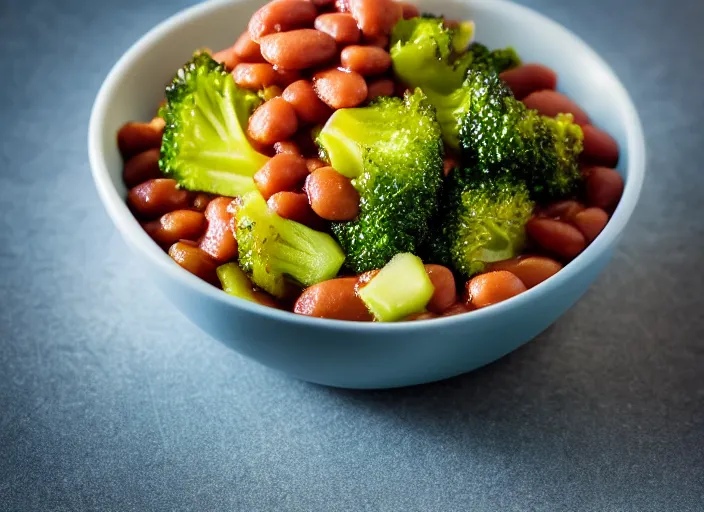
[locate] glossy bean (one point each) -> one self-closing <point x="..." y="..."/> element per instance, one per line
<point x="340" y="89"/>
<point x="288" y="147"/>
<point x="563" y="210"/>
<point x="175" y="226"/>
<point x="298" y="49"/>
<point x="284" y="172"/>
<point x="591" y="222"/>
<point x="281" y="16"/>
<point x="458" y="308"/>
<point x="604" y="187"/>
<point x="274" y="121"/>
<point x="556" y="237"/>
<point x="342" y="27"/>
<point x="141" y="168"/>
<point x="532" y="270"/>
<point x="219" y="241"/>
<point x="331" y="195"/>
<point x="493" y="287"/>
<point x="294" y="206"/>
<point x="309" y="108"/>
<point x="255" y="76"/>
<point x="529" y="78"/>
<point x="227" y="58"/>
<point x="314" y="163"/>
<point x="248" y="50"/>
<point x="365" y="60"/>
<point x="380" y="87"/>
<point x="599" y="147"/>
<point x="333" y="299"/>
<point x="194" y="260"/>
<point x="380" y="41"/>
<point x="154" y="198"/>
<point x="552" y="103"/>
<point x="134" y="138"/>
<point x="445" y="294"/>
<point x="375" y="17"/>
<point x="201" y="201"/>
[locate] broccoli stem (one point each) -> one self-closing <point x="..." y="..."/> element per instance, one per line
<point x="234" y="282"/>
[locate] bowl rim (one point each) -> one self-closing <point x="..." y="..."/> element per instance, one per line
<point x="137" y="238"/>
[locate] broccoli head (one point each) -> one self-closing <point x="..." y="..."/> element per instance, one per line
<point x="205" y="147"/>
<point x="392" y="150"/>
<point x="480" y="222"/>
<point x="274" y="251"/>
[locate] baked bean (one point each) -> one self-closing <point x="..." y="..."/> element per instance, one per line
<point x="449" y="164"/>
<point x="421" y="316"/>
<point x="255" y="76"/>
<point x="274" y="121"/>
<point x="591" y="222"/>
<point x="556" y="237"/>
<point x="604" y="187"/>
<point x="135" y="138"/>
<point x="445" y="294"/>
<point x="532" y="270"/>
<point x="493" y="287"/>
<point x="200" y="201"/>
<point x="248" y="50"/>
<point x="283" y="172"/>
<point x="552" y="103"/>
<point x="376" y="17"/>
<point x="219" y="241"/>
<point x="340" y="89"/>
<point x="294" y="206"/>
<point x="298" y="49"/>
<point x="529" y="78"/>
<point x="458" y="308"/>
<point x="314" y="163"/>
<point x="195" y="260"/>
<point x="365" y="60"/>
<point x="142" y="167"/>
<point x="380" y="41"/>
<point x="381" y="87"/>
<point x="409" y="10"/>
<point x="302" y="97"/>
<point x="331" y="195"/>
<point x="342" y="27"/>
<point x="154" y="198"/>
<point x="599" y="147"/>
<point x="563" y="210"/>
<point x="288" y="147"/>
<point x="175" y="226"/>
<point x="227" y="58"/>
<point x="281" y="16"/>
<point x="334" y="299"/>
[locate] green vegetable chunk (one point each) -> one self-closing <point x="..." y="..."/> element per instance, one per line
<point x="393" y="151"/>
<point x="480" y="222"/>
<point x="235" y="282"/>
<point x="400" y="289"/>
<point x="274" y="251"/>
<point x="205" y="147"/>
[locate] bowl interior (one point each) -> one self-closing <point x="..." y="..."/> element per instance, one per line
<point x="135" y="87"/>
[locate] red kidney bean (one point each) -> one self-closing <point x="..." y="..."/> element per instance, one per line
<point x="294" y="206"/>
<point x="154" y="198"/>
<point x="255" y="76"/>
<point x="283" y="172"/>
<point x="591" y="222"/>
<point x="281" y="16"/>
<point x="556" y="237"/>
<point x="141" y="168"/>
<point x="227" y="58"/>
<point x="309" y="108"/>
<point x="342" y="27"/>
<point x="195" y="260"/>
<point x="563" y="210"/>
<point x="375" y="17"/>
<point x="314" y="163"/>
<point x="552" y="103"/>
<point x="333" y="299"/>
<point x="201" y="201"/>
<point x="219" y="241"/>
<point x="409" y="10"/>
<point x="445" y="294"/>
<point x="532" y="270"/>
<point x="529" y="78"/>
<point x="134" y="138"/>
<point x="340" y="89"/>
<point x="415" y="317"/>
<point x="298" y="49"/>
<point x="604" y="187"/>
<point x="599" y="147"/>
<point x="380" y="87"/>
<point x="493" y="287"/>
<point x="175" y="226"/>
<point x="365" y="60"/>
<point x="459" y="308"/>
<point x="274" y="121"/>
<point x="248" y="50"/>
<point x="331" y="195"/>
<point x="288" y="147"/>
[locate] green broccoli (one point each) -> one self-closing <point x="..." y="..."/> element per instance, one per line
<point x="393" y="151"/>
<point x="480" y="222"/>
<point x="205" y="147"/>
<point x="274" y="251"/>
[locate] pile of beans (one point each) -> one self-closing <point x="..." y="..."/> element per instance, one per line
<point x="314" y="57"/>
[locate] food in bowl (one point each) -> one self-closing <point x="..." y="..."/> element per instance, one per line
<point x="358" y="161"/>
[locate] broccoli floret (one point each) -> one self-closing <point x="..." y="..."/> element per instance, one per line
<point x="274" y="251"/>
<point x="480" y="222"/>
<point x="499" y="60"/>
<point x="205" y="147"/>
<point x="393" y="151"/>
<point x="499" y="136"/>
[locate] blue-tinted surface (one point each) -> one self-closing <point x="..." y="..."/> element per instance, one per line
<point x="109" y="400"/>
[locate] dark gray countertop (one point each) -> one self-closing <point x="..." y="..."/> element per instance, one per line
<point x="110" y="400"/>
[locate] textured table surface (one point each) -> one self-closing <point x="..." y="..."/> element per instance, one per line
<point x="110" y="400"/>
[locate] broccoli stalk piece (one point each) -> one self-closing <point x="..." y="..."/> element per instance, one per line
<point x="234" y="282"/>
<point x="400" y="289"/>
<point x="393" y="151"/>
<point x="205" y="147"/>
<point x="480" y="222"/>
<point x="274" y="251"/>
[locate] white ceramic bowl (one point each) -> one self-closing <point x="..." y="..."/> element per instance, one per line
<point x="353" y="354"/>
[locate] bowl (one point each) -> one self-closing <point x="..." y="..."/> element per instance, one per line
<point x="347" y="354"/>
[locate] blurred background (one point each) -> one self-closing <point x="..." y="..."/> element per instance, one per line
<point x="110" y="400"/>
